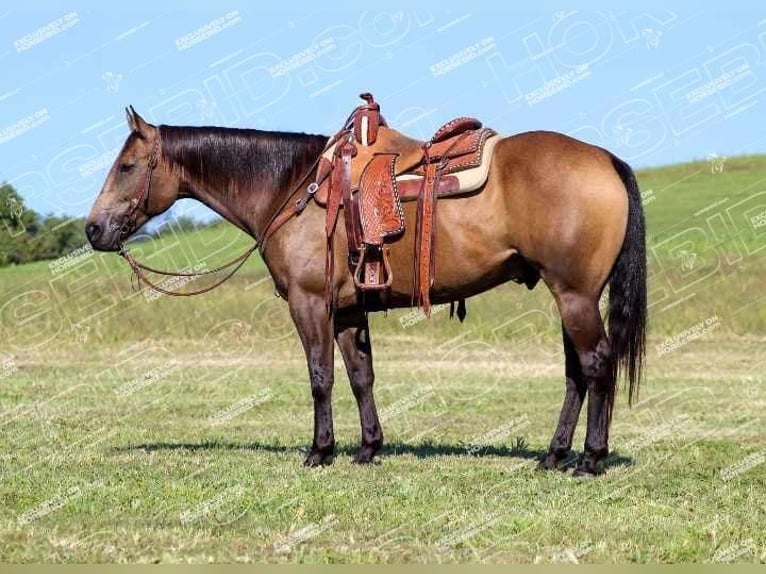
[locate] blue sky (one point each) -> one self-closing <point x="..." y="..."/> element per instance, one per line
<point x="656" y="85"/>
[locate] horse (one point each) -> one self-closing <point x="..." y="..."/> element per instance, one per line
<point x="552" y="208"/>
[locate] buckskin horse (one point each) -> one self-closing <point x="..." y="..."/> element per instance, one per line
<point x="548" y="206"/>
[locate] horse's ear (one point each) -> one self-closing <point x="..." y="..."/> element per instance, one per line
<point x="129" y="117"/>
<point x="137" y="123"/>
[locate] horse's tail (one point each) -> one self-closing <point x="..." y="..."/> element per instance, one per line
<point x="627" y="290"/>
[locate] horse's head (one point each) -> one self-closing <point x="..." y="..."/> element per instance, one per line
<point x="134" y="190"/>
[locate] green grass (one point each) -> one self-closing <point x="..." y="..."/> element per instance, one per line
<point x="156" y="479"/>
<point x="173" y="429"/>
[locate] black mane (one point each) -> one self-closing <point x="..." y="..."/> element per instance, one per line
<point x="232" y="159"/>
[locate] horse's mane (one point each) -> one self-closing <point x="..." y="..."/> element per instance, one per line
<point x="233" y="160"/>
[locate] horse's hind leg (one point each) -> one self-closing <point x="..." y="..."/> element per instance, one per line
<point x="582" y="322"/>
<point x="561" y="444"/>
<point x="353" y="336"/>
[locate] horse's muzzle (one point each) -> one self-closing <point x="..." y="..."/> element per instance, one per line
<point x="102" y="236"/>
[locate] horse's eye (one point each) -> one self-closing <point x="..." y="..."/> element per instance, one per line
<point x="126" y="167"/>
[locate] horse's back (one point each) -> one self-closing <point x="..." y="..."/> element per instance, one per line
<point x="544" y="152"/>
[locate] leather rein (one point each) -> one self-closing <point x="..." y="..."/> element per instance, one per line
<point x="284" y="213"/>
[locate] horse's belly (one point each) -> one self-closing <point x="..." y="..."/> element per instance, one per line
<point x="471" y="252"/>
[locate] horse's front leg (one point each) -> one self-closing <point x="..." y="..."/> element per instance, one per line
<point x="352" y="333"/>
<point x="316" y="332"/>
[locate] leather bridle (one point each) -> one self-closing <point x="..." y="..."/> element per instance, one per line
<point x="141" y="197"/>
<point x="284" y="213"/>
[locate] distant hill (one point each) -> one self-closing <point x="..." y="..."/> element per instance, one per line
<point x="706" y="243"/>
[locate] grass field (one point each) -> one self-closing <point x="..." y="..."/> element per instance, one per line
<point x="142" y="429"/>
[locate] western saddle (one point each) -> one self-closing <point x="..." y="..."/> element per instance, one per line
<point x="369" y="169"/>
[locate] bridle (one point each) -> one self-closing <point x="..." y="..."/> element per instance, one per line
<point x="284" y="213"/>
<point x="141" y="196"/>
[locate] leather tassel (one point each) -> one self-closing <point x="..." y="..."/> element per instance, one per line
<point x="333" y="208"/>
<point x="329" y="287"/>
<point x="424" y="266"/>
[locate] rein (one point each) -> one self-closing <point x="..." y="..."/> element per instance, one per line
<point x="139" y="268"/>
<point x="279" y="218"/>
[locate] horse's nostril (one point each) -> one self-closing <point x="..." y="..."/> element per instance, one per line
<point x="93" y="231"/>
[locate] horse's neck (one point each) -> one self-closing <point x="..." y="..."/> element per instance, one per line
<point x="232" y="210"/>
<point x="269" y="165"/>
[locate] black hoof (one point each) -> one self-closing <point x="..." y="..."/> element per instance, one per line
<point x="549" y="462"/>
<point x="555" y="461"/>
<point x="365" y="455"/>
<point x="319" y="458"/>
<point x="581" y="472"/>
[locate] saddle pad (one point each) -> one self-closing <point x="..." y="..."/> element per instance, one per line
<point x="457" y="183"/>
<point x="381" y="210"/>
<point x="468" y="180"/>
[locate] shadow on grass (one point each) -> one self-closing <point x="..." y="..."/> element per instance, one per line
<point x="425" y="449"/>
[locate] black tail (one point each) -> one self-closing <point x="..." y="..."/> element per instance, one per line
<point x="627" y="289"/>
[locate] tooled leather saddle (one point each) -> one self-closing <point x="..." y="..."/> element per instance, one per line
<point x="369" y="169"/>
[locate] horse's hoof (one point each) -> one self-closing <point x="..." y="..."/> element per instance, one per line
<point x="549" y="462"/>
<point x="317" y="458"/>
<point x="365" y="456"/>
<point x="555" y="461"/>
<point x="584" y="473"/>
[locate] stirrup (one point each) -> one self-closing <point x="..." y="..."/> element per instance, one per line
<point x="359" y="272"/>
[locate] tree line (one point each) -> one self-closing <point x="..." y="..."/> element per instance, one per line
<point x="27" y="236"/>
